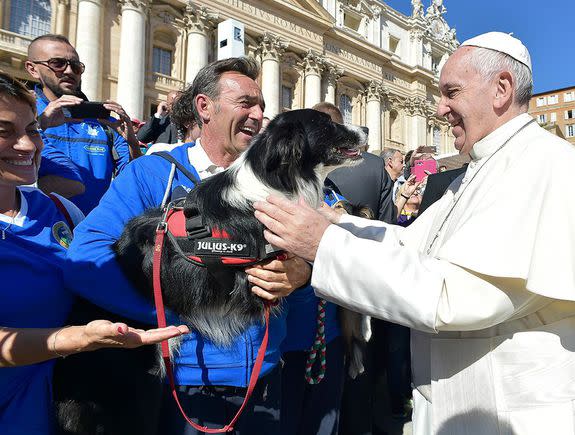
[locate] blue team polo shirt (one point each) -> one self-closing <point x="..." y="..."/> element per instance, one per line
<point x="32" y="258"/>
<point x="86" y="145"/>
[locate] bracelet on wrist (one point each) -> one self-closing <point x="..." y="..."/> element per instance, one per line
<point x="54" y="350"/>
<point x="404" y="196"/>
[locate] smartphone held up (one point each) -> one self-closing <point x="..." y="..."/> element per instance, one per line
<point x="88" y="110"/>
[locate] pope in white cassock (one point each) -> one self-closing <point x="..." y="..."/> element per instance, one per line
<point x="486" y="276"/>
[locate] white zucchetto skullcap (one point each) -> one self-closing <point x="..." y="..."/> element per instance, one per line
<point x="503" y="43"/>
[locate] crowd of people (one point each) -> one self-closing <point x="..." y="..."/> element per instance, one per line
<point x="463" y="299"/>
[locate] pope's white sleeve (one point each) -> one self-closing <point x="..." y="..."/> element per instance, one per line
<point x="377" y="277"/>
<point x="385" y="279"/>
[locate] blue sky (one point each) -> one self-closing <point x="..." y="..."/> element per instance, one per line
<point x="547" y="28"/>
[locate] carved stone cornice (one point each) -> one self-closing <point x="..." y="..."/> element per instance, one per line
<point x="199" y="19"/>
<point x="312" y="63"/>
<point x="271" y="47"/>
<point x="138" y="5"/>
<point x="375" y="91"/>
<point x="395" y="101"/>
<point x="417" y="106"/>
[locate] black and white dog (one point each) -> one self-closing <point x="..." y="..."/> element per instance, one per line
<point x="290" y="158"/>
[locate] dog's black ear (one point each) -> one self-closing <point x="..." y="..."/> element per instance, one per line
<point x="285" y="143"/>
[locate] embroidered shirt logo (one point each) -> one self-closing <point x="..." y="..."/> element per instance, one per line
<point x="62" y="234"/>
<point x="92" y="131"/>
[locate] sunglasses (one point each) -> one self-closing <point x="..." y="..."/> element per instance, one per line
<point x="59" y="64"/>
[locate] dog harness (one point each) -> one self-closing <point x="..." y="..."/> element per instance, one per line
<point x="205" y="248"/>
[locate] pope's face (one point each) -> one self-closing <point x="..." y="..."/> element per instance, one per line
<point x="466" y="100"/>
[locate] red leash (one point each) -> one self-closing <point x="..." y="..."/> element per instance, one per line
<point x="161" y="315"/>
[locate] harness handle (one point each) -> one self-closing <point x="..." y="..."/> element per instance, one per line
<point x="161" y="316"/>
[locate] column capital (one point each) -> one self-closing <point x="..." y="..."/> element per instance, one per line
<point x="312" y="63"/>
<point x="137" y="5"/>
<point x="416" y="34"/>
<point x="271" y="47"/>
<point x="417" y="106"/>
<point x="199" y="19"/>
<point x="332" y="73"/>
<point x="64" y="3"/>
<point x="375" y="91"/>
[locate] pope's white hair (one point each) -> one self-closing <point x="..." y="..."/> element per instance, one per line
<point x="488" y="63"/>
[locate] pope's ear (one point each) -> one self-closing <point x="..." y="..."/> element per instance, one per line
<point x="505" y="85"/>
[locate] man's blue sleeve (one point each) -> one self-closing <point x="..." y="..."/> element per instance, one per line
<point x="123" y="150"/>
<point x="92" y="271"/>
<point x="55" y="162"/>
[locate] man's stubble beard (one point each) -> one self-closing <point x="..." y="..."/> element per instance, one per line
<point x="52" y="84"/>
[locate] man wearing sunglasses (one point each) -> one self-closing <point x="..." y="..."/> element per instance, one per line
<point x="80" y="156"/>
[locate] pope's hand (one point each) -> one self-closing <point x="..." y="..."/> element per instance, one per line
<point x="293" y="227"/>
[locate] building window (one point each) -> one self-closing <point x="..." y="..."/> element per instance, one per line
<point x="553" y="117"/>
<point x="569" y="96"/>
<point x="345" y="107"/>
<point x="30" y="17"/>
<point x="394" y="44"/>
<point x="570" y="114"/>
<point x="541" y="101"/>
<point x="287" y="97"/>
<point x="542" y="119"/>
<point x="162" y="61"/>
<point x="570" y="130"/>
<point x="553" y="99"/>
<point x="352" y="22"/>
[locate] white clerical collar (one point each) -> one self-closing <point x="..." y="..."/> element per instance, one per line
<point x="200" y="160"/>
<point x="490" y="143"/>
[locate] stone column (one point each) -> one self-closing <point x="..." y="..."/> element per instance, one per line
<point x="312" y="66"/>
<point x="131" y="78"/>
<point x="331" y="76"/>
<point x="270" y="50"/>
<point x="417" y="110"/>
<point x="416" y="43"/>
<point x="198" y="23"/>
<point x="89" y="46"/>
<point x="374" y="94"/>
<point x="62" y="13"/>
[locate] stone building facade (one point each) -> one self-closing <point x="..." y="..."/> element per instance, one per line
<point x="379" y="66"/>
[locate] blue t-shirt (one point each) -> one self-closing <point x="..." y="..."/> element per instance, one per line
<point x="32" y="258"/>
<point x="94" y="273"/>
<point x="86" y="145"/>
<point x="302" y="314"/>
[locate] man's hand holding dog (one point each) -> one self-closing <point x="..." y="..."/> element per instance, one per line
<point x="293" y="227"/>
<point x="278" y="278"/>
